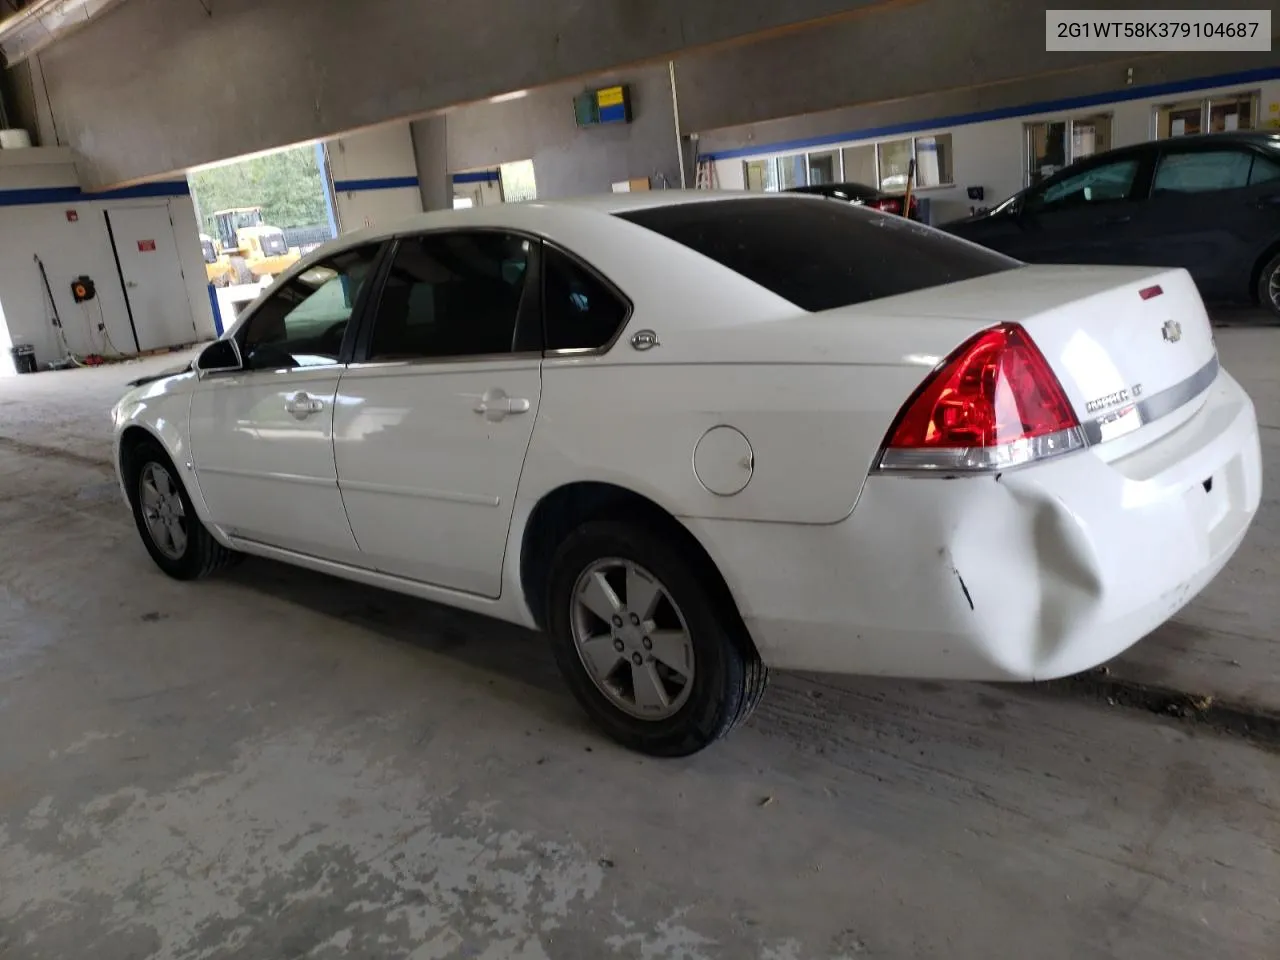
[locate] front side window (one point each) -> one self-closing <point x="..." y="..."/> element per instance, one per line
<point x="1100" y="184"/>
<point x="820" y="255"/>
<point x="304" y="322"/>
<point x="1202" y="171"/>
<point x="452" y="295"/>
<point x="579" y="311"/>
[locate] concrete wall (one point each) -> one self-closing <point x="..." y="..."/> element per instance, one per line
<point x="902" y="51"/>
<point x="155" y="86"/>
<point x="987" y="153"/>
<point x="37" y="188"/>
<point x="375" y="177"/>
<point x="568" y="160"/>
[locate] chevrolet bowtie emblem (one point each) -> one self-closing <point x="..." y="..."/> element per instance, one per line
<point x="1171" y="331"/>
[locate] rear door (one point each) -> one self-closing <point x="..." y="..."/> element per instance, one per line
<point x="1213" y="209"/>
<point x="1085" y="214"/>
<point x="432" y="423"/>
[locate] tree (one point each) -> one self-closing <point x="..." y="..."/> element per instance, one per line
<point x="287" y="185"/>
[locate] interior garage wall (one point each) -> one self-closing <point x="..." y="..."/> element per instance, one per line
<point x="568" y="160"/>
<point x="898" y="52"/>
<point x="375" y="176"/>
<point x="991" y="153"/>
<point x="155" y="86"/>
<point x="38" y="187"/>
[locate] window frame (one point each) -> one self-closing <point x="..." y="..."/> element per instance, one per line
<point x="1068" y="141"/>
<point x="1139" y="189"/>
<point x="609" y="285"/>
<point x="529" y="304"/>
<point x="354" y="324"/>
<point x="1172" y="147"/>
<point x="1254" y="95"/>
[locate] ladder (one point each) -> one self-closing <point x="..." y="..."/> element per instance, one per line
<point x="707" y="179"/>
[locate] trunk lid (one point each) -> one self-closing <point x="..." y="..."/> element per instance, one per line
<point x="1129" y="345"/>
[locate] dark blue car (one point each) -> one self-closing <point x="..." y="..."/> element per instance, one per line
<point x="1208" y="203"/>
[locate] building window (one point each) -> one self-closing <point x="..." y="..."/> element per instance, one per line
<point x="762" y="175"/>
<point x="1054" y="144"/>
<point x="893" y="158"/>
<point x="792" y="171"/>
<point x="932" y="156"/>
<point x="824" y="168"/>
<point x="884" y="165"/>
<point x="860" y="164"/>
<point x="1236" y="111"/>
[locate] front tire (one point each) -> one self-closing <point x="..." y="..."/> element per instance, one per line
<point x="1269" y="286"/>
<point x="648" y="645"/>
<point x="171" y="531"/>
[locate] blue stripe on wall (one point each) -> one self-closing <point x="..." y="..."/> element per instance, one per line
<point x="44" y="195"/>
<point x="1025" y="110"/>
<point x="478" y="176"/>
<point x="378" y="183"/>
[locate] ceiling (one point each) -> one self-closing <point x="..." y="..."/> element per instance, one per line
<point x="28" y="26"/>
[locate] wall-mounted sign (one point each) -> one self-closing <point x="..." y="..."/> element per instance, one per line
<point x="605" y="105"/>
<point x="146" y="246"/>
<point x="72" y="216"/>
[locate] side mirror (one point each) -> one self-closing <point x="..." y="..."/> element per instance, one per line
<point x="221" y="356"/>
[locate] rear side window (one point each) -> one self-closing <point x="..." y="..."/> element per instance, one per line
<point x="820" y="255"/>
<point x="579" y="311"/>
<point x="1202" y="171"/>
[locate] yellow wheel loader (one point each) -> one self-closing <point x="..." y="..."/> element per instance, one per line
<point x="255" y="249"/>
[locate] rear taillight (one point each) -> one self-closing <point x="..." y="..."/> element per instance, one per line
<point x="888" y="205"/>
<point x="993" y="404"/>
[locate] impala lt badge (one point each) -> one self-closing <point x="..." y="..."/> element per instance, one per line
<point x="1171" y="331"/>
<point x="1127" y="395"/>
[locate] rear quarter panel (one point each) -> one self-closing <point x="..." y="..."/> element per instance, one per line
<point x="814" y="432"/>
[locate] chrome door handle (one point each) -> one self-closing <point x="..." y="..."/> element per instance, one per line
<point x="494" y="405"/>
<point x="303" y="405"/>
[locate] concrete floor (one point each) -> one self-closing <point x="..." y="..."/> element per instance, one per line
<point x="274" y="764"/>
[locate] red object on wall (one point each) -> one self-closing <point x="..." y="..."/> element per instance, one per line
<point x="72" y="216"/>
<point x="146" y="246"/>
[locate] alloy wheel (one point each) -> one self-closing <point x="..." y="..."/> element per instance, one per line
<point x="162" y="508"/>
<point x="632" y="639"/>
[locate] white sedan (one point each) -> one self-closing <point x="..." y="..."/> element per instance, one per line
<point x="694" y="436"/>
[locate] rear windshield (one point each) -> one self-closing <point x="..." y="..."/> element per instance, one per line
<point x="820" y="254"/>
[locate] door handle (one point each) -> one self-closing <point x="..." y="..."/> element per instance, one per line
<point x="1117" y="219"/>
<point x="1271" y="201"/>
<point x="303" y="405"/>
<point x="495" y="405"/>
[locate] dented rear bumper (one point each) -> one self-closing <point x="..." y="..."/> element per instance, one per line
<point x="1033" y="574"/>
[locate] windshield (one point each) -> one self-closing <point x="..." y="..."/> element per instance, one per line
<point x="821" y="255"/>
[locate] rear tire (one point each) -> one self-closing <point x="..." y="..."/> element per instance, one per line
<point x="171" y="531"/>
<point x="1269" y="286"/>
<point x="674" y="678"/>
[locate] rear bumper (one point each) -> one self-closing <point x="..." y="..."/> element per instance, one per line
<point x="1038" y="573"/>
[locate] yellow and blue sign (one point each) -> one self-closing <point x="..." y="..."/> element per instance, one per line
<point x="605" y="105"/>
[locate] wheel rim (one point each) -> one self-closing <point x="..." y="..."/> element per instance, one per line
<point x="162" y="509"/>
<point x="1273" y="288"/>
<point x="632" y="639"/>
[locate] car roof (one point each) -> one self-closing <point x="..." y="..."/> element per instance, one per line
<point x="530" y="214"/>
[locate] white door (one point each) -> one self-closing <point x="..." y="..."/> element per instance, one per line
<point x="153" y="279"/>
<point x="431" y="429"/>
<point x="262" y="437"/>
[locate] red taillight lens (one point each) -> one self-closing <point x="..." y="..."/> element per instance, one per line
<point x="889" y="205"/>
<point x="995" y="403"/>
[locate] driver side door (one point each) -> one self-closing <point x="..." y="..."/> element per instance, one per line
<point x="1084" y="214"/>
<point x="262" y="436"/>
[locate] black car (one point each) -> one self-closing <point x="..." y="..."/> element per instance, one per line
<point x="861" y="194"/>
<point x="1209" y="203"/>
